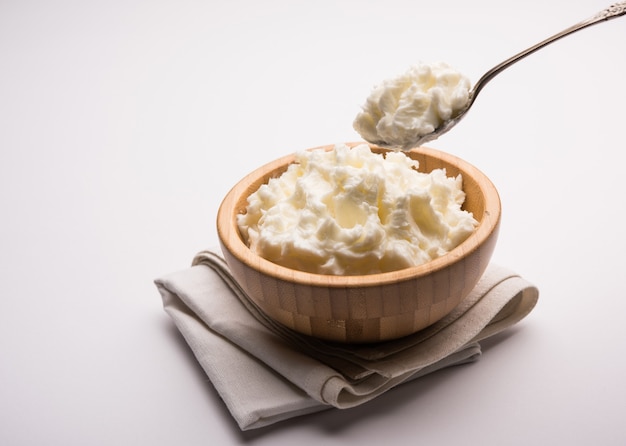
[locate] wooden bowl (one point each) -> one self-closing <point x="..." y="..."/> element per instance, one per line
<point x="365" y="308"/>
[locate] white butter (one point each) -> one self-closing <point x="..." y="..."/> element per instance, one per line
<point x="401" y="110"/>
<point x="351" y="211"/>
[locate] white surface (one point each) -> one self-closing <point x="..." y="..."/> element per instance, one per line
<point x="124" y="123"/>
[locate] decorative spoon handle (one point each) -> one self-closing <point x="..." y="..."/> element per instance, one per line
<point x="613" y="11"/>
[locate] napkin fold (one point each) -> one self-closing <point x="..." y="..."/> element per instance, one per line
<point x="265" y="372"/>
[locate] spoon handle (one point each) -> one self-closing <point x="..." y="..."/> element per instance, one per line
<point x="613" y="11"/>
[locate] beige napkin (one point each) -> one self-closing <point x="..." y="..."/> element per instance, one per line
<point x="266" y="373"/>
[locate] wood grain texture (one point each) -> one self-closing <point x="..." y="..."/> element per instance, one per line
<point x="367" y="308"/>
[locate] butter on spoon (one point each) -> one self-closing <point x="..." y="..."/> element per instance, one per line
<point x="428" y="100"/>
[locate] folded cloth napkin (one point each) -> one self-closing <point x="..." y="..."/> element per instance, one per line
<point x="265" y="372"/>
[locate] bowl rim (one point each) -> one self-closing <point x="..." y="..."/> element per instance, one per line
<point x="231" y="239"/>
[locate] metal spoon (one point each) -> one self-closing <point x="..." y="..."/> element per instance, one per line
<point x="613" y="11"/>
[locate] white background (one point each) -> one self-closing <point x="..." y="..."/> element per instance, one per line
<point x="124" y="123"/>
